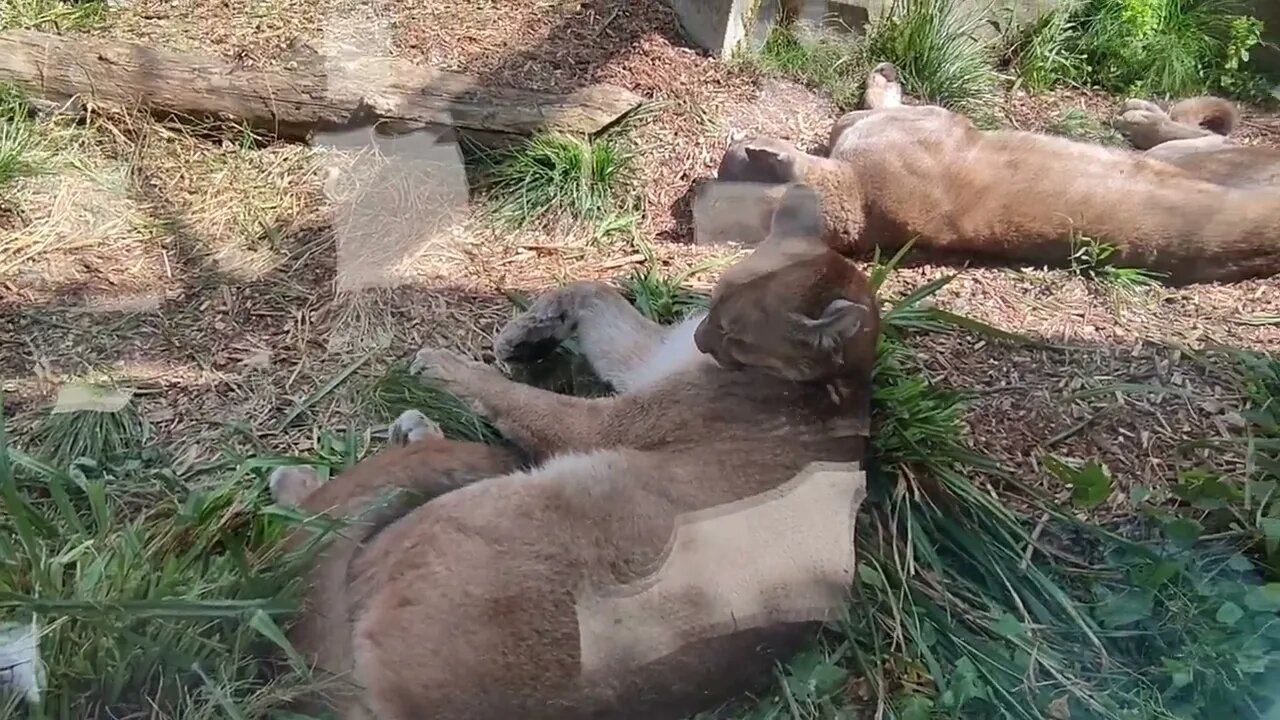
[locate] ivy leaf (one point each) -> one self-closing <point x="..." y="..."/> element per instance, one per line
<point x="1264" y="599"/>
<point x="1240" y="563"/>
<point x="870" y="575"/>
<point x="1154" y="574"/>
<point x="1230" y="613"/>
<point x="915" y="707"/>
<point x="1270" y="528"/>
<point x="1126" y="608"/>
<point x="1009" y="626"/>
<point x="1183" y="531"/>
<point x="1090" y="484"/>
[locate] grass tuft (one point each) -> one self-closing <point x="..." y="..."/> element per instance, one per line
<point x="932" y="43"/>
<point x="1089" y="259"/>
<point x="556" y="176"/>
<point x="64" y="438"/>
<point x="935" y="47"/>
<point x="51" y="15"/>
<point x="1048" y="52"/>
<point x="21" y="146"/>
<point x="823" y="62"/>
<point x="399" y="390"/>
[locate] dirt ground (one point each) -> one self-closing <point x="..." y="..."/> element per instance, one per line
<point x="203" y="273"/>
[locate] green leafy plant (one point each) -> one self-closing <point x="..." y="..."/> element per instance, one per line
<point x="1173" y="48"/>
<point x="1090" y="259"/>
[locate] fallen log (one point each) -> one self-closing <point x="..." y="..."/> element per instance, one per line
<point x="318" y="93"/>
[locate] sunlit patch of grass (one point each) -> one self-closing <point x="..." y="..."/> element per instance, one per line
<point x="1171" y="48"/>
<point x="934" y="45"/>
<point x="51" y="15"/>
<point x="22" y="151"/>
<point x="557" y="176"/>
<point x="823" y="62"/>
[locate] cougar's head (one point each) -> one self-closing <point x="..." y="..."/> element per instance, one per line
<point x="794" y="307"/>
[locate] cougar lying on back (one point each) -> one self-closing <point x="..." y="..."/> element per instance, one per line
<point x="468" y="607"/>
<point x="897" y="173"/>
<point x="1193" y="136"/>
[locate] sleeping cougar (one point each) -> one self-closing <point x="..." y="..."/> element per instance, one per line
<point x="539" y="594"/>
<point x="1193" y="136"/>
<point x="897" y="173"/>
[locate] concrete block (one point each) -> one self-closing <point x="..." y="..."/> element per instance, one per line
<point x="722" y="26"/>
<point x="733" y="213"/>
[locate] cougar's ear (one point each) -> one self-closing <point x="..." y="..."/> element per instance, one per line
<point x="798" y="215"/>
<point x="840" y="321"/>
<point x="770" y="164"/>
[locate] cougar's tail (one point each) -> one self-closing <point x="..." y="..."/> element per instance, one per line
<point x="1213" y="114"/>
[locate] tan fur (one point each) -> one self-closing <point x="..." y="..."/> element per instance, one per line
<point x="464" y="608"/>
<point x="369" y="496"/>
<point x="901" y="173"/>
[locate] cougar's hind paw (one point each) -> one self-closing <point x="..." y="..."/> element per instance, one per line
<point x="291" y="484"/>
<point x="1139" y="104"/>
<point x="412" y="426"/>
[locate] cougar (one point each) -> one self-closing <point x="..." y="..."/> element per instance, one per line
<point x="898" y="173"/>
<point x="1194" y="135"/>
<point x="578" y="588"/>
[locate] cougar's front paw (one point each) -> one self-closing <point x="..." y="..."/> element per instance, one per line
<point x="550" y="320"/>
<point x="531" y="336"/>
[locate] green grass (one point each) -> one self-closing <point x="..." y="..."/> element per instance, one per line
<point x="555" y="176"/>
<point x="1048" y="54"/>
<point x="51" y="15"/>
<point x="930" y="41"/>
<point x="62" y="438"/>
<point x="21" y="145"/>
<point x="934" y="46"/>
<point x="1171" y="48"/>
<point x="824" y="63"/>
<point x="154" y="592"/>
